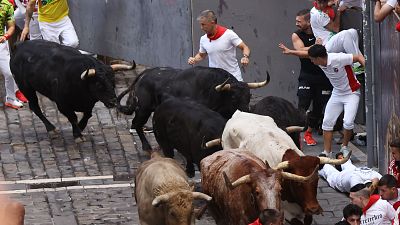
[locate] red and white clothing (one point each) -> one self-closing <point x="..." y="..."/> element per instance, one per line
<point x="222" y="51"/>
<point x="345" y="95"/>
<point x="348" y="177"/>
<point x="393" y="170"/>
<point x="377" y="212"/>
<point x="344" y="41"/>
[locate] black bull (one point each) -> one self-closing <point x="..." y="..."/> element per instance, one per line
<point x="284" y="113"/>
<point x="186" y="126"/>
<point x="215" y="88"/>
<point x="75" y="82"/>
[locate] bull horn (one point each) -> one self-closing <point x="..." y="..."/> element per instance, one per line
<point x="293" y="129"/>
<point x="88" y="73"/>
<point x="224" y="86"/>
<point x="213" y="143"/>
<point x="326" y="160"/>
<point x="259" y="84"/>
<point x="232" y="185"/>
<point x="116" y="67"/>
<point x="160" y="199"/>
<point x="282" y="165"/>
<point x="199" y="195"/>
<point x="298" y="178"/>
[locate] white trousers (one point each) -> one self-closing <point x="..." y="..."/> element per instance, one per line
<point x="34" y="30"/>
<point x="344" y="41"/>
<point x="62" y="32"/>
<point x="11" y="86"/>
<point x="348" y="177"/>
<point x="336" y="105"/>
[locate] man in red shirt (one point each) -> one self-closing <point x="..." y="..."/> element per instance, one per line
<point x="394" y="165"/>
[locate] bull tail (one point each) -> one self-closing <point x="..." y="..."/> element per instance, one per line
<point x="131" y="102"/>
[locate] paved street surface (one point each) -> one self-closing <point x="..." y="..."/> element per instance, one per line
<point x="92" y="182"/>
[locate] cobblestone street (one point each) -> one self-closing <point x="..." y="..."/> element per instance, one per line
<point x="92" y="182"/>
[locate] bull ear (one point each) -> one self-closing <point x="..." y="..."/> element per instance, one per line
<point x="88" y="73"/>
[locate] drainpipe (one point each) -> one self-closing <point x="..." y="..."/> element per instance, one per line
<point x="368" y="36"/>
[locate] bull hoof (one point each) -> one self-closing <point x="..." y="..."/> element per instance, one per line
<point x="53" y="134"/>
<point x="79" y="140"/>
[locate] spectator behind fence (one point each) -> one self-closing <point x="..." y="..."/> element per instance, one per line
<point x="54" y="22"/>
<point x="381" y="11"/>
<point x="220" y="44"/>
<point x="394" y="165"/>
<point x="376" y="211"/>
<point x="269" y="217"/>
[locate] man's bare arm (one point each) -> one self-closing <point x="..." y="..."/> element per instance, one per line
<point x="28" y="15"/>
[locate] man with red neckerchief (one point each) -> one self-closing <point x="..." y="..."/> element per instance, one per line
<point x="219" y="44"/>
<point x="376" y="211"/>
<point x="326" y="25"/>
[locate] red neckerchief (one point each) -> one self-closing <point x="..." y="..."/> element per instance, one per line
<point x="257" y="222"/>
<point x="328" y="10"/>
<point x="372" y="200"/>
<point x="398" y="26"/>
<point x="220" y="30"/>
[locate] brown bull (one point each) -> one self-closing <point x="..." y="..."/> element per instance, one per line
<point x="163" y="194"/>
<point x="255" y="186"/>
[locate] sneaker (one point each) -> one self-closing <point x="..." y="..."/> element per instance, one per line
<point x="308" y="139"/>
<point x="21" y="96"/>
<point x="14" y="104"/>
<point x="344" y="150"/>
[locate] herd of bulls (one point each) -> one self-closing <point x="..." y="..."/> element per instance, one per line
<point x="248" y="161"/>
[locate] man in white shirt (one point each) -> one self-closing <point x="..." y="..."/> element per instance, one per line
<point x="220" y="44"/>
<point x="376" y="211"/>
<point x="348" y="176"/>
<point x="345" y="95"/>
<point x="326" y="25"/>
<point x="383" y="10"/>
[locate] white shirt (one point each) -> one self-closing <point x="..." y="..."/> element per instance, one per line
<point x="392" y="3"/>
<point x="380" y="213"/>
<point x="222" y="52"/>
<point x="337" y="74"/>
<point x="319" y="20"/>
